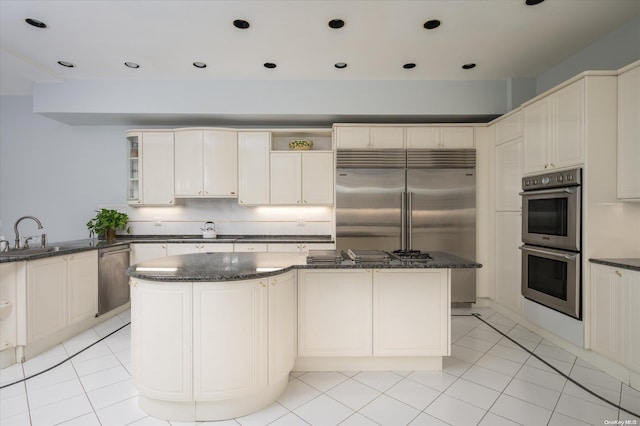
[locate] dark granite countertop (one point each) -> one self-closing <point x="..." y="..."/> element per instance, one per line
<point x="68" y="247"/>
<point x="632" y="264"/>
<point x="246" y="266"/>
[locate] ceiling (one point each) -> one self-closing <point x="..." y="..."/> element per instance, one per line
<point x="504" y="38"/>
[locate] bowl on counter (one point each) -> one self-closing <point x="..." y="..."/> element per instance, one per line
<point x="300" y="144"/>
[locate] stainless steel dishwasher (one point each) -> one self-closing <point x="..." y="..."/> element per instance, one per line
<point x="113" y="282"/>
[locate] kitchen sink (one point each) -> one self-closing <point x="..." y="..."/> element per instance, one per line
<point x="28" y="251"/>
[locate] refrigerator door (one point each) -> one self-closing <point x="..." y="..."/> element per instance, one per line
<point x="443" y="218"/>
<point x="369" y="208"/>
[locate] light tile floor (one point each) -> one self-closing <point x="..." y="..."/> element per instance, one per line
<point x="488" y="380"/>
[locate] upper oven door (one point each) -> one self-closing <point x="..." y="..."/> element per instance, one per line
<point x="551" y="218"/>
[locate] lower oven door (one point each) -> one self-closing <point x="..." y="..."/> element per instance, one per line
<point x="552" y="278"/>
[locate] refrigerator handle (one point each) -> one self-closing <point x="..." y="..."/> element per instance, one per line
<point x="403" y="221"/>
<point x="409" y="220"/>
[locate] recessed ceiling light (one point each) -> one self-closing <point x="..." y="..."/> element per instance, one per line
<point x="409" y="65"/>
<point x="132" y="65"/>
<point x="241" y="23"/>
<point x="35" y="23"/>
<point x="432" y="24"/>
<point x="270" y="65"/>
<point x="199" y="65"/>
<point x="336" y="23"/>
<point x="468" y="66"/>
<point x="66" y="64"/>
<point x="532" y="2"/>
<point x="340" y="65"/>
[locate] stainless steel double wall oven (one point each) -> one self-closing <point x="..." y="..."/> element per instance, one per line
<point x="551" y="233"/>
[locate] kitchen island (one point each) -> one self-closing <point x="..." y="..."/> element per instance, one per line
<point x="215" y="335"/>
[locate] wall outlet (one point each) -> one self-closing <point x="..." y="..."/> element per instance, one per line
<point x="301" y="221"/>
<point x="157" y="221"/>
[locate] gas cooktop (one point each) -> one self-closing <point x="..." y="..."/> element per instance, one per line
<point x="411" y="255"/>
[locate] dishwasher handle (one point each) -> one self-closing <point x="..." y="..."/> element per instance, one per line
<point x="109" y="253"/>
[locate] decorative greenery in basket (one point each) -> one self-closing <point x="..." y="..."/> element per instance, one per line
<point x="106" y="222"/>
<point x="300" y="144"/>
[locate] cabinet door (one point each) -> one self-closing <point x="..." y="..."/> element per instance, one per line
<point x="352" y="137"/>
<point x="568" y="126"/>
<point x="46" y="297"/>
<point x="253" y="167"/>
<point x="282" y="325"/>
<point x="182" y="248"/>
<point x="607" y="324"/>
<point x="632" y="300"/>
<point x="251" y="247"/>
<point x="387" y="138"/>
<point x="334" y="313"/>
<point x="8" y="305"/>
<point x="284" y="248"/>
<point x="161" y="361"/>
<point x="509" y="175"/>
<point x="536" y="136"/>
<point x="188" y="163"/>
<point x="220" y="151"/>
<point x="82" y="286"/>
<point x="317" y="178"/>
<point x="157" y="168"/>
<point x="457" y="138"/>
<point x="629" y="134"/>
<point x="411" y="312"/>
<point x="508" y="260"/>
<point x="423" y="138"/>
<point x="142" y="252"/>
<point x="286" y="178"/>
<point x="242" y="365"/>
<point x="509" y="128"/>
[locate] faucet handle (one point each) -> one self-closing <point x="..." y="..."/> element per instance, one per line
<point x="4" y="245"/>
<point x="26" y="242"/>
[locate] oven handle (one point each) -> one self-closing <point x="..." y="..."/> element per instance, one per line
<point x="566" y="256"/>
<point x="571" y="190"/>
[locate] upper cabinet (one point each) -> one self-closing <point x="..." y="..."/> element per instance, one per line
<point x="440" y="138"/>
<point x="508" y="166"/>
<point x="206" y="163"/>
<point x="554" y="130"/>
<point x="253" y="167"/>
<point x="629" y="133"/>
<point x="366" y="137"/>
<point x="302" y="178"/>
<point x="151" y="168"/>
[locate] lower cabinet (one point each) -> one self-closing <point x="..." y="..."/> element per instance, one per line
<point x="282" y="325"/>
<point x="8" y="309"/>
<point x="61" y="291"/>
<point x="363" y="312"/>
<point x="615" y="303"/>
<point x="508" y="260"/>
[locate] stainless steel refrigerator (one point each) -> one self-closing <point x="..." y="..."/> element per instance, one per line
<point x="414" y="199"/>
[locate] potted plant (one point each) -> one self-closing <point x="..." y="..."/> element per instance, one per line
<point x="106" y="222"/>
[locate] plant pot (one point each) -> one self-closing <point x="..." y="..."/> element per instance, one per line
<point x="110" y="235"/>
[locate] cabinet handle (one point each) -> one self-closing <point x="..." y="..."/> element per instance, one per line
<point x="232" y="193"/>
<point x="274" y="281"/>
<point x="546" y="166"/>
<point x="171" y="202"/>
<point x="552" y="165"/>
<point x="262" y="284"/>
<point x="619" y="274"/>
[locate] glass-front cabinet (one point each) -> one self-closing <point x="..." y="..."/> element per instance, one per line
<point x="133" y="168"/>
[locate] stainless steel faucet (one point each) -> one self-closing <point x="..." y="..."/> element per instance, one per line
<point x="15" y="227"/>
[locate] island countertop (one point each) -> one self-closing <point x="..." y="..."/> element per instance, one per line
<point x="245" y="266"/>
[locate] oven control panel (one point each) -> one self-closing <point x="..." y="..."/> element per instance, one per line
<point x="552" y="180"/>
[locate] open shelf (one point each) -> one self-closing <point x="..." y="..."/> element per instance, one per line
<point x="321" y="138"/>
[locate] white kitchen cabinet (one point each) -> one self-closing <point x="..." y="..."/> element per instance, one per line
<point x="629" y="133"/>
<point x="61" y="291"/>
<point x="187" y="248"/>
<point x="302" y="178"/>
<point x="242" y="365"/>
<point x="82" y="286"/>
<point x="440" y="138"/>
<point x="152" y="182"/>
<point x="509" y="127"/>
<point x="162" y="361"/>
<point x="615" y="301"/>
<point x="251" y="247"/>
<point x="299" y="247"/>
<point x="508" y="260"/>
<point x="364" y="137"/>
<point x="145" y="251"/>
<point x="334" y="313"/>
<point x="206" y="163"/>
<point x="411" y="312"/>
<point x="509" y="159"/>
<point x="253" y="167"/>
<point x="282" y="325"/>
<point x="8" y="309"/>
<point x="554" y="130"/>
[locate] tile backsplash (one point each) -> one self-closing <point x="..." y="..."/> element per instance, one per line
<point x="189" y="216"/>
